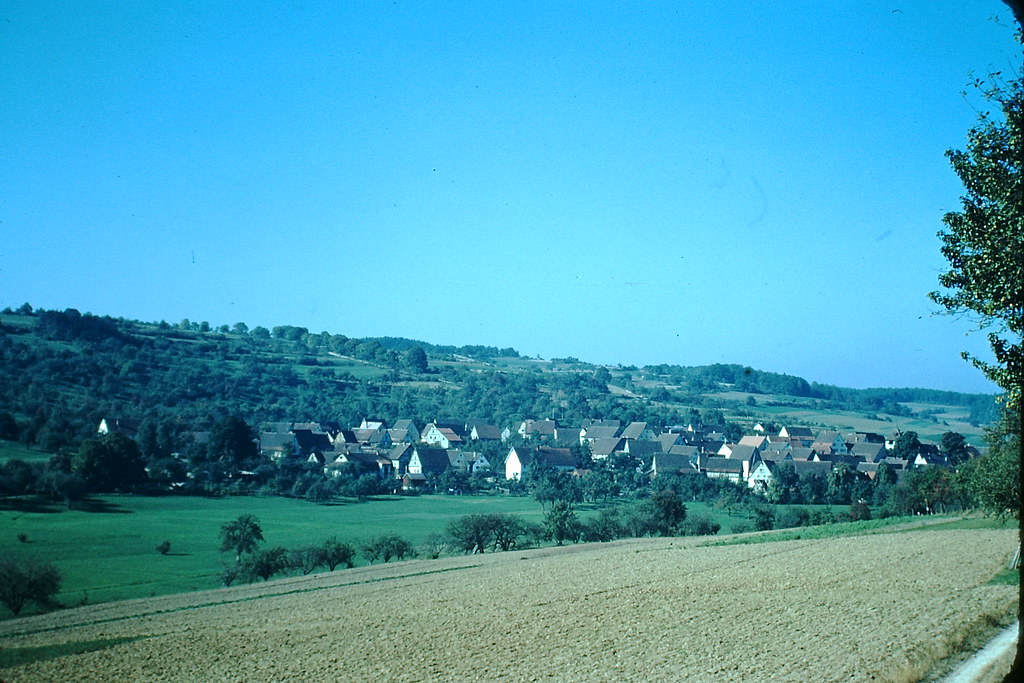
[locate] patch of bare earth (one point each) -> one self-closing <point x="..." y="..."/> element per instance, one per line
<point x="852" y="608"/>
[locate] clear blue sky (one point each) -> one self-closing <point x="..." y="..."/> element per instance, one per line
<point x="634" y="183"/>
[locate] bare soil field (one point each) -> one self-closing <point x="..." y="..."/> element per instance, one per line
<point x="842" y="609"/>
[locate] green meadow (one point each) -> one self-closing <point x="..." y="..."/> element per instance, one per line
<point x="108" y="551"/>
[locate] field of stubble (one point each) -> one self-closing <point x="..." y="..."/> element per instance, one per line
<point x="853" y="608"/>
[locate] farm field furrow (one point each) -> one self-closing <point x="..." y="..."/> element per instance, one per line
<point x="851" y="608"/>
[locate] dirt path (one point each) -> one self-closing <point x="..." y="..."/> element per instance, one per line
<point x="992" y="663"/>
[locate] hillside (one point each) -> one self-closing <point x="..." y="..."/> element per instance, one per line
<point x="637" y="610"/>
<point x="61" y="371"/>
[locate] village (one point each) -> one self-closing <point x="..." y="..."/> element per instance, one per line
<point x="413" y="456"/>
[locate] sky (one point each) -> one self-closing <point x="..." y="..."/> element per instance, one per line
<point x="625" y="183"/>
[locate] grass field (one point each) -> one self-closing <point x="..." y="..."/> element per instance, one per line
<point x="10" y="450"/>
<point x="109" y="552"/>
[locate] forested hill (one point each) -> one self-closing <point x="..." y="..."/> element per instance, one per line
<point x="61" y="371"/>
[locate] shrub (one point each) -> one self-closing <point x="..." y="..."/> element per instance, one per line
<point x="163" y="547"/>
<point x="23" y="582"/>
<point x="742" y="526"/>
<point x="386" y="547"/>
<point x="793" y="517"/>
<point x="765" y="519"/>
<point x="335" y="552"/>
<point x="266" y="563"/>
<point x="860" y="512"/>
<point x="700" y="525"/>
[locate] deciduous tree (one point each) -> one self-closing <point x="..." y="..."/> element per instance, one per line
<point x="23" y="582"/>
<point x="242" y="535"/>
<point x="984" y="241"/>
<point x="110" y="463"/>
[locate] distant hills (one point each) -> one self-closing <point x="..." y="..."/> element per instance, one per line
<point x="62" y="371"/>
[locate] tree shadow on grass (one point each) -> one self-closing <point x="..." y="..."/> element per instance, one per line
<point x="18" y="656"/>
<point x="34" y="504"/>
<point x="100" y="505"/>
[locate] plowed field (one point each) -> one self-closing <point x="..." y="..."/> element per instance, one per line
<point x="852" y="608"/>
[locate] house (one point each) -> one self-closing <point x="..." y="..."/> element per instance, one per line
<point x="453" y="426"/>
<point x="605" y="447"/>
<point x="365" y="461"/>
<point x="441" y="436"/>
<point x="800" y="433"/>
<point x="400" y="455"/>
<point x="719" y="467"/>
<point x="871" y="451"/>
<point x="869" y="437"/>
<point x="829" y="442"/>
<point x="929" y="454"/>
<point x="758" y="441"/>
<point x="521" y="459"/>
<point x="667" y="463"/>
<point x="344" y="437"/>
<point x="807" y="468"/>
<point x="276" y="446"/>
<point x="540" y="430"/>
<point x="457" y="461"/>
<point x="801" y="453"/>
<point x="670" y="439"/>
<point x="746" y="455"/>
<point x="690" y="452"/>
<point x="639" y="431"/>
<point x="778" y="450"/>
<point x="641" y="449"/>
<point x="598" y="431"/>
<point x="428" y="461"/>
<point x="567" y="436"/>
<point x="404" y="430"/>
<point x="118" y="425"/>
<point x="312" y="442"/>
<point x="481" y="431"/>
<point x="761" y="475"/>
<point x="376" y="437"/>
<point x="478" y="463"/>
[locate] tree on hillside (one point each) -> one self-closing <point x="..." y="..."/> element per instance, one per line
<point x="416" y="360"/>
<point x="242" y="535"/>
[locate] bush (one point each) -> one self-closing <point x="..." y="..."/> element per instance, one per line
<point x="25" y="582"/>
<point x="335" y="553"/>
<point x="266" y="563"/>
<point x="386" y="547"/>
<point x="163" y="547"/>
<point x="860" y="512"/>
<point x="765" y="519"/>
<point x="742" y="526"/>
<point x="604" y="527"/>
<point x="700" y="525"/>
<point x="793" y="517"/>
